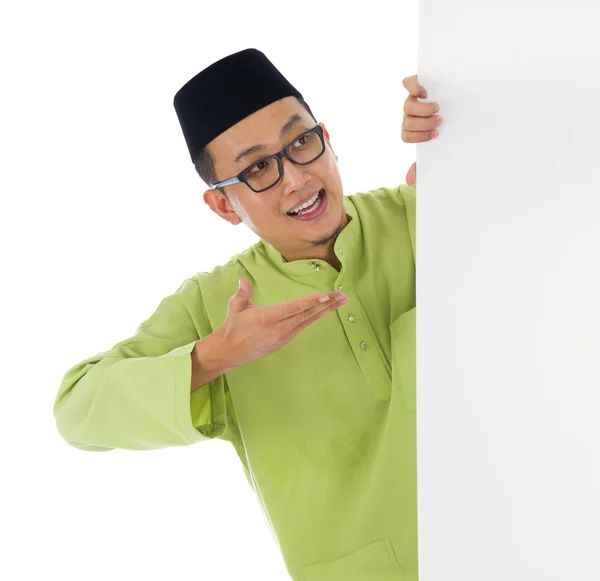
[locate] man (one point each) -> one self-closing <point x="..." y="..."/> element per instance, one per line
<point x="320" y="407"/>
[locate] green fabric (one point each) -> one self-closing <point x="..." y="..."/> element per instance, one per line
<point x="325" y="429"/>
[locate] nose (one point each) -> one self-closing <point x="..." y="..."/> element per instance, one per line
<point x="294" y="176"/>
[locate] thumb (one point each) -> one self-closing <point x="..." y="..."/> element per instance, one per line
<point x="242" y="296"/>
<point x="411" y="176"/>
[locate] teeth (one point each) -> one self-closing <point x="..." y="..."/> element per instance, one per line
<point x="306" y="204"/>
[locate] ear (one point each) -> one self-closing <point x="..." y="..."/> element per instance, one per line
<point x="326" y="135"/>
<point x="219" y="204"/>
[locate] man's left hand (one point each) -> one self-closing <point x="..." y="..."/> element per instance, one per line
<point x="419" y="123"/>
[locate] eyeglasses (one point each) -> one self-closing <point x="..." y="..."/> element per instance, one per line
<point x="268" y="171"/>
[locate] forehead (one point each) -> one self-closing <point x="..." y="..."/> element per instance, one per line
<point x="262" y="127"/>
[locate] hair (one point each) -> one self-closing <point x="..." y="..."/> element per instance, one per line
<point x="205" y="164"/>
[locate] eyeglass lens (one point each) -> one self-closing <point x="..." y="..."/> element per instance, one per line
<point x="265" y="173"/>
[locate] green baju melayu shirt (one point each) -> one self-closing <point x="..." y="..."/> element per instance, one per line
<point x="325" y="426"/>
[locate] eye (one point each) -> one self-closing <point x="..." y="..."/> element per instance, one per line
<point x="303" y="137"/>
<point x="256" y="168"/>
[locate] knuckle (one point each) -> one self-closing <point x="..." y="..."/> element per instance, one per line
<point x="315" y="313"/>
<point x="420" y="123"/>
<point x="412" y="124"/>
<point x="416" y="137"/>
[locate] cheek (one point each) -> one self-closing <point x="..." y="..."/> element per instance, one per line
<point x="262" y="217"/>
<point x="333" y="171"/>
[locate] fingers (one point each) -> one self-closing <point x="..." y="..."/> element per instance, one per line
<point x="420" y="122"/>
<point x="415" y="136"/>
<point x="415" y="108"/>
<point x="302" y="305"/>
<point x="303" y="320"/>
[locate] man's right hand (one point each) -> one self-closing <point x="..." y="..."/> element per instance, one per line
<point x="251" y="331"/>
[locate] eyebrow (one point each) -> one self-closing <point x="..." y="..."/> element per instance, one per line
<point x="293" y="120"/>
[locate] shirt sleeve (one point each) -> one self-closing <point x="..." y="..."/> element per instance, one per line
<point x="137" y="395"/>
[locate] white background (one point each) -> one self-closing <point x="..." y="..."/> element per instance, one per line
<point x="92" y="159"/>
<point x="508" y="288"/>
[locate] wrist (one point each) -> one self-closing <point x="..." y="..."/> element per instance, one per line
<point x="213" y="354"/>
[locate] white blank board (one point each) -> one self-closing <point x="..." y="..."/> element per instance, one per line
<point x="508" y="292"/>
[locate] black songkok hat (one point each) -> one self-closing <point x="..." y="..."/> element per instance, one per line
<point x="226" y="92"/>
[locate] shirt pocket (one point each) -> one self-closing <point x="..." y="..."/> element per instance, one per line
<point x="404" y="357"/>
<point x="375" y="562"/>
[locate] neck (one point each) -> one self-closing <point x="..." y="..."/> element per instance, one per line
<point x="323" y="252"/>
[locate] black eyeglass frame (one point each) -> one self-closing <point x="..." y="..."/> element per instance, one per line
<point x="241" y="177"/>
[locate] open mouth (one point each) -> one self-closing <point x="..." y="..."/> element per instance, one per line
<point x="317" y="208"/>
